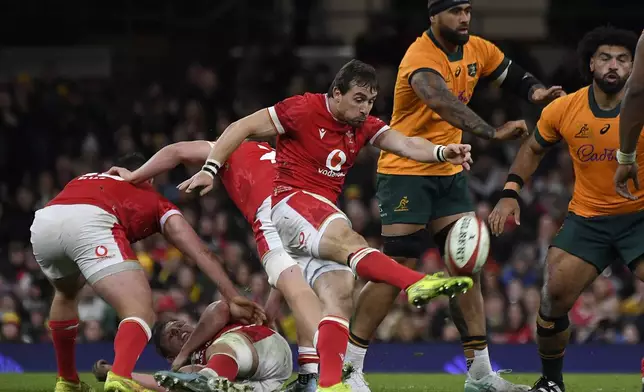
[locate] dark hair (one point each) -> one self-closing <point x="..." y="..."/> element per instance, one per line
<point x="354" y="73"/>
<point x="131" y="161"/>
<point x="157" y="334"/>
<point x="604" y="35"/>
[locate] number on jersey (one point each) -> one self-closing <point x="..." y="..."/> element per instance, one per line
<point x="269" y="156"/>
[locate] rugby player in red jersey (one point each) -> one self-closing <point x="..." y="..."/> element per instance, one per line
<point x="219" y="354"/>
<point x="84" y="235"/>
<point x="248" y="179"/>
<point x="318" y="139"/>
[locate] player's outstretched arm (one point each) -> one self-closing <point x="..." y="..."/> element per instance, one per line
<point x="631" y="118"/>
<point x="514" y="78"/>
<point x="258" y="124"/>
<point x="432" y="89"/>
<point x="422" y="150"/>
<point x="525" y="163"/>
<point x="170" y="156"/>
<point x="178" y="231"/>
<point x="212" y="320"/>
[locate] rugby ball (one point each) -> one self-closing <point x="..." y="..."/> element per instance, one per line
<point x="467" y="246"/>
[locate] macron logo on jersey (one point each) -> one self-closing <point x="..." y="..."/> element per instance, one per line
<point x="322" y="132"/>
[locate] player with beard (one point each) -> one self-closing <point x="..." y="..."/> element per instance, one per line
<point x="435" y="81"/>
<point x="601" y="226"/>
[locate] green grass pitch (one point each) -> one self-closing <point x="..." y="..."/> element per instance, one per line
<point x="44" y="382"/>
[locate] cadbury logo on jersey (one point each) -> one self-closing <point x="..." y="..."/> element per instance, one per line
<point x="587" y="153"/>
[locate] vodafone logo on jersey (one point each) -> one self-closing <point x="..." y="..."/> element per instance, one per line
<point x="330" y="173"/>
<point x="334" y="162"/>
<point x="101" y="252"/>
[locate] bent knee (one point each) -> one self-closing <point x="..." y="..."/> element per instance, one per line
<point x="340" y="232"/>
<point x="335" y="290"/>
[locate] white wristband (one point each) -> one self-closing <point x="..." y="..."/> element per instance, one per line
<point x="439" y="153"/>
<point x="625" y="159"/>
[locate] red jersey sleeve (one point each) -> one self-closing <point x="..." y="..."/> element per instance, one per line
<point x="166" y="210"/>
<point x="287" y="115"/>
<point x="374" y="127"/>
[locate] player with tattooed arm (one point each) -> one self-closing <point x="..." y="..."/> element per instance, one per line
<point x="436" y="80"/>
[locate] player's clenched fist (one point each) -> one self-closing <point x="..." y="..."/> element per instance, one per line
<point x="200" y="180"/>
<point x="511" y="130"/>
<point x="459" y="154"/>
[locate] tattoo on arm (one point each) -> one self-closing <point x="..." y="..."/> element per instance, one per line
<point x="431" y="88"/>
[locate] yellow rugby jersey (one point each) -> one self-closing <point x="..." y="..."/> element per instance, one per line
<point x="461" y="72"/>
<point x="592" y="136"/>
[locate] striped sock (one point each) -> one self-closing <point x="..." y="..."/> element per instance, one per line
<point x="477" y="356"/>
<point x="356" y="351"/>
<point x="308" y="360"/>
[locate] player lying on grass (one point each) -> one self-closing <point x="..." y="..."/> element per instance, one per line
<point x="219" y="354"/>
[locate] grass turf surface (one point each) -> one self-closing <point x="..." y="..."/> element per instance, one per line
<point x="44" y="382"/>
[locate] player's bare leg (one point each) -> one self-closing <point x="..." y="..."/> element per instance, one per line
<point x="343" y="245"/>
<point x="468" y="315"/>
<point x="566" y="277"/>
<point x="63" y="323"/>
<point x="376" y="299"/>
<point x="307" y="311"/>
<point x="335" y="290"/>
<point x="128" y="292"/>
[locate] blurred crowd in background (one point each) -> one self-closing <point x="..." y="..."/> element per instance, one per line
<point x="53" y="129"/>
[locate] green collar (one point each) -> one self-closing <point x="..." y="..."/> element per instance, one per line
<point x="456" y="56"/>
<point x="597" y="111"/>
